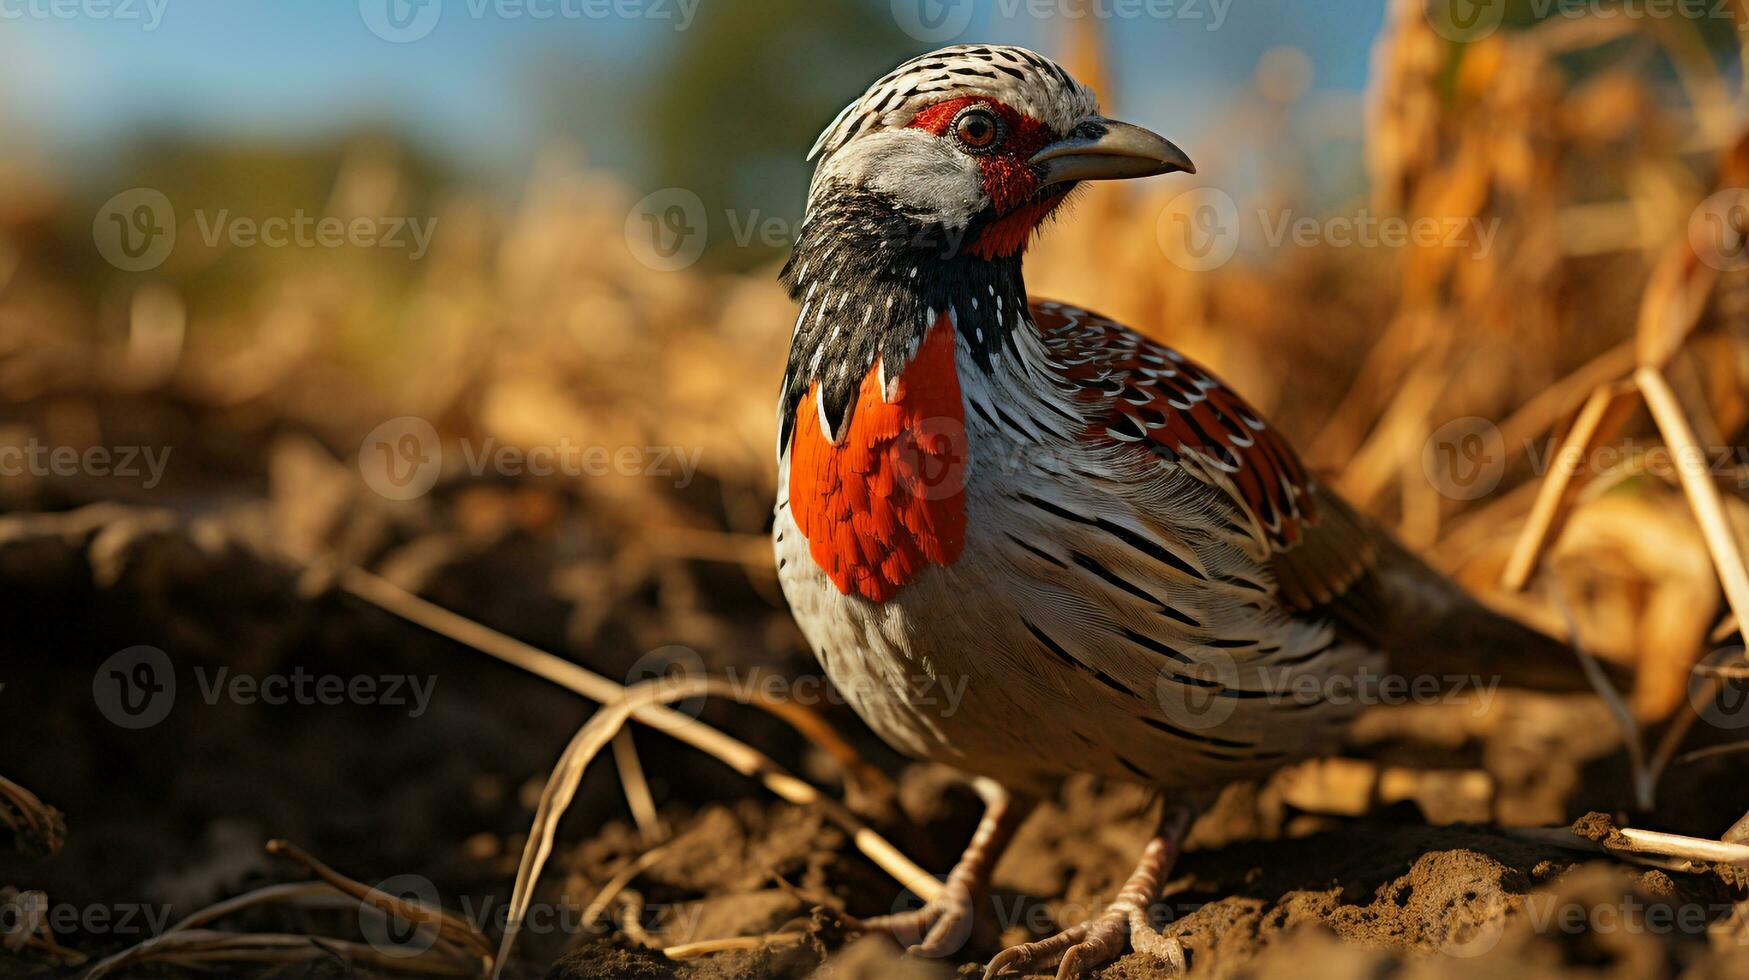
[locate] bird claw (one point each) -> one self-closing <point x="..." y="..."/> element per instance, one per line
<point x="1080" y="948"/>
<point x="940" y="928"/>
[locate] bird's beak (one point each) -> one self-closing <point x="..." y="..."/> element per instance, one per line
<point x="1105" y="149"/>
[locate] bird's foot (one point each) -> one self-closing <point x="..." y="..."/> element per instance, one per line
<point x="940" y="928"/>
<point x="1090" y="944"/>
<point x="1101" y="940"/>
<point x="945" y="924"/>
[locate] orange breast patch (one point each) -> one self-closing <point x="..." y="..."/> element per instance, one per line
<point x="888" y="498"/>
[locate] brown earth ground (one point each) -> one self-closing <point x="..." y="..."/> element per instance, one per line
<point x="1387" y="861"/>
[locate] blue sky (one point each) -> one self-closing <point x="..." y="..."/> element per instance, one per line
<point x="82" y="74"/>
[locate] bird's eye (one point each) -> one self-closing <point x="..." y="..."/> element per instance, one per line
<point x="977" y="129"/>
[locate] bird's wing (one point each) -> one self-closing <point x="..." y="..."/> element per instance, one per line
<point x="1153" y="399"/>
<point x="1327" y="560"/>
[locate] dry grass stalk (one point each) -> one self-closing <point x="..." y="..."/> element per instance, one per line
<point x="1682" y="846"/>
<point x="392" y="598"/>
<point x="1711" y="752"/>
<point x="187" y="943"/>
<point x="1547" y="407"/>
<point x="1599" y="420"/>
<point x="736" y="754"/>
<point x="1638" y="845"/>
<point x="1645" y="776"/>
<point x="1723" y="629"/>
<point x="1697" y="483"/>
<point x="24" y="928"/>
<point x="457" y="935"/>
<point x="689" y="951"/>
<point x="595" y="734"/>
<point x="561" y="788"/>
<point x="637" y="788"/>
<point x="313" y="894"/>
<point x="1680" y="727"/>
<point x="197" y="948"/>
<point x="1675" y="299"/>
<point x="1739" y="831"/>
<point x="37" y="828"/>
<point x="631" y="920"/>
<point x="618" y="882"/>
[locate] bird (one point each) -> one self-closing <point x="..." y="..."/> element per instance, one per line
<point x="1124" y="568"/>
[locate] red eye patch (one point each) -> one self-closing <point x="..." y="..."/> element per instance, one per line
<point x="1007" y="178"/>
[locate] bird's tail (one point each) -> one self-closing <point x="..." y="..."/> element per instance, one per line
<point x="1431" y="626"/>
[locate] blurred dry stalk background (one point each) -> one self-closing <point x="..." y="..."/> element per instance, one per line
<point x="536" y="325"/>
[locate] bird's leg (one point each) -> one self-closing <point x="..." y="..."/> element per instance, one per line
<point x="1102" y="939"/>
<point x="942" y="926"/>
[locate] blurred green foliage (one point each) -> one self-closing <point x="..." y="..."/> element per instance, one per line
<point x="733" y="112"/>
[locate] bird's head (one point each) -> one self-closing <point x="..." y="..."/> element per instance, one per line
<point x="979" y="143"/>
